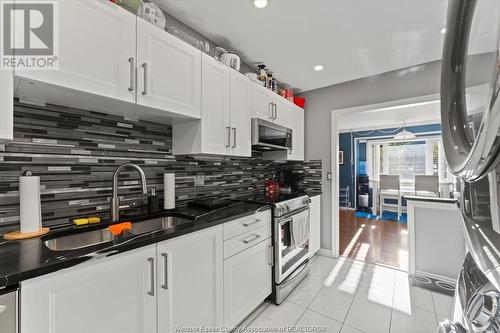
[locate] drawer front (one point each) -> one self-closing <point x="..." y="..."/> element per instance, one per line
<point x="246" y="240"/>
<point x="247" y="223"/>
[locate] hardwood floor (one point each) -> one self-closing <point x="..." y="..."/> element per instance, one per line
<point x="381" y="242"/>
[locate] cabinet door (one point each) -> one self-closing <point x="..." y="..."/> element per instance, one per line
<point x="96" y="50"/>
<point x="6" y="105"/>
<point x="297" y="125"/>
<point x="241" y="115"/>
<point x="216" y="127"/>
<point x="247" y="281"/>
<point x="283" y="112"/>
<point x="109" y="295"/>
<point x="168" y="72"/>
<point x="315" y="225"/>
<point x="261" y="102"/>
<point x="190" y="281"/>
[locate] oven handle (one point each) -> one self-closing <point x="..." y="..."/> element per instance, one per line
<point x="291" y="278"/>
<point x="288" y="217"/>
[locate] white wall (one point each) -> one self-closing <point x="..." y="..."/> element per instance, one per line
<point x="407" y="83"/>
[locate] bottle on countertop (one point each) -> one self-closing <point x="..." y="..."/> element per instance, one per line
<point x="153" y="202"/>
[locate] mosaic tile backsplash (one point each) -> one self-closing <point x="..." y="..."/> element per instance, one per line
<point x="75" y="153"/>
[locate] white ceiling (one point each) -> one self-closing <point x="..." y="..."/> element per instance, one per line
<point x="351" y="38"/>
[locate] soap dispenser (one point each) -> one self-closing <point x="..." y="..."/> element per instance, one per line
<point x="153" y="202"/>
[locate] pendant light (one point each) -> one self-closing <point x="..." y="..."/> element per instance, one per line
<point x="404" y="135"/>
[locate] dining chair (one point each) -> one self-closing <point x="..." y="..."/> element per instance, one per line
<point x="390" y="190"/>
<point x="427" y="185"/>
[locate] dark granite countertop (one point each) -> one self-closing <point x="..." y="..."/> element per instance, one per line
<point x="21" y="260"/>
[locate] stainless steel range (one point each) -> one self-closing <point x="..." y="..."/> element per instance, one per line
<point x="291" y="231"/>
<point x="291" y="245"/>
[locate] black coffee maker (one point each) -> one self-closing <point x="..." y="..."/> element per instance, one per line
<point x="289" y="181"/>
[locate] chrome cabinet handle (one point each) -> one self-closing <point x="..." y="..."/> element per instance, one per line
<point x="228" y="130"/>
<point x="2" y="309"/>
<point x="165" y="262"/>
<point x="234" y="137"/>
<point x="251" y="223"/>
<point x="145" y="69"/>
<point x="271" y="259"/>
<point x="271" y="110"/>
<point x="132" y="74"/>
<point x="275" y="111"/>
<point x="151" y="291"/>
<point x="251" y="239"/>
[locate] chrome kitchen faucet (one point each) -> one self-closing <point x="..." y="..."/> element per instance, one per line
<point x="115" y="200"/>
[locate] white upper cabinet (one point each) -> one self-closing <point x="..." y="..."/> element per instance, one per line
<point x="269" y="106"/>
<point x="168" y="71"/>
<point x="291" y="116"/>
<point x="97" y="48"/>
<point x="241" y="115"/>
<point x="297" y="152"/>
<point x="215" y="125"/>
<point x="225" y="127"/>
<point x="115" y="294"/>
<point x="262" y="103"/>
<point x="6" y="105"/>
<point x="190" y="292"/>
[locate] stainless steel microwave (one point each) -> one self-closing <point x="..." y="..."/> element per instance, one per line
<point x="267" y="136"/>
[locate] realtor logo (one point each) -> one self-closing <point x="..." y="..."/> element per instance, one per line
<point x="29" y="38"/>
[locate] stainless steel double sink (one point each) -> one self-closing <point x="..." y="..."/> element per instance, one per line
<point x="86" y="239"/>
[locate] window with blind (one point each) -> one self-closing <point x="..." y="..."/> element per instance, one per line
<point x="409" y="158"/>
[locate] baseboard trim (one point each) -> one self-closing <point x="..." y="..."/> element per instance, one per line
<point x="437" y="277"/>
<point x="325" y="253"/>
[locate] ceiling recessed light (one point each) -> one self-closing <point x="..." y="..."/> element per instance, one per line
<point x="260" y="3"/>
<point x="319" y="67"/>
<point x="443" y="31"/>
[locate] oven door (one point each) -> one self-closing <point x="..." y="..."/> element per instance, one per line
<point x="291" y="243"/>
<point x="267" y="136"/>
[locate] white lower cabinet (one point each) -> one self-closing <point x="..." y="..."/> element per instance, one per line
<point x="190" y="281"/>
<point x="109" y="295"/>
<point x="247" y="281"/>
<point x="175" y="285"/>
<point x="315" y="225"/>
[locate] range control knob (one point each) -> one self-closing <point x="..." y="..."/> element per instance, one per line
<point x="483" y="311"/>
<point x="447" y="326"/>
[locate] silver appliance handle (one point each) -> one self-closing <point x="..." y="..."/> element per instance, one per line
<point x="291" y="278"/>
<point x="288" y="217"/>
<point x="228" y="131"/>
<point x="271" y="255"/>
<point x="271" y="111"/>
<point x="248" y="224"/>
<point x="165" y="270"/>
<point x="251" y="239"/>
<point x="151" y="291"/>
<point x="468" y="157"/>
<point x="275" y="111"/>
<point x="131" y="86"/>
<point x="234" y="137"/>
<point x="145" y="69"/>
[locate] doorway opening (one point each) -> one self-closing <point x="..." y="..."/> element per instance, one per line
<point x="374" y="144"/>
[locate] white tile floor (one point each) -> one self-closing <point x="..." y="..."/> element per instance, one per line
<point x="349" y="296"/>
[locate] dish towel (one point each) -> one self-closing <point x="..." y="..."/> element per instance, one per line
<point x="300" y="228"/>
